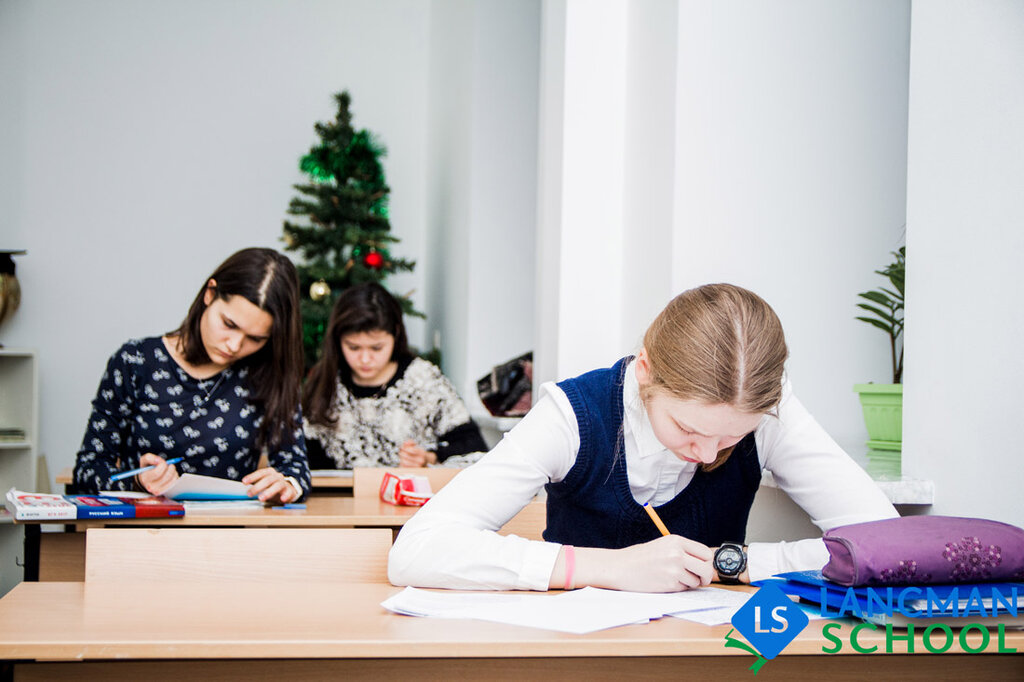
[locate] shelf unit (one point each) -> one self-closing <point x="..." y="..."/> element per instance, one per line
<point x="19" y="408"/>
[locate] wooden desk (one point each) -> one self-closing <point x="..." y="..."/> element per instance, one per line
<point x="103" y="631"/>
<point x="61" y="556"/>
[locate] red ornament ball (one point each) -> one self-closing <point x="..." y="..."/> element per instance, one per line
<point x="373" y="259"/>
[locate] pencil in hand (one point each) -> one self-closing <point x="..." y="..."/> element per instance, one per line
<point x="134" y="472"/>
<point x="657" y="519"/>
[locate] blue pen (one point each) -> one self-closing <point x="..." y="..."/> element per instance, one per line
<point x="133" y="472"/>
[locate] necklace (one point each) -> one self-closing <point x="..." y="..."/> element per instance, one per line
<point x="190" y="414"/>
<point x="199" y="402"/>
<point x="180" y="363"/>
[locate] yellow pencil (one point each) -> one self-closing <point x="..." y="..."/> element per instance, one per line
<point x="657" y="519"/>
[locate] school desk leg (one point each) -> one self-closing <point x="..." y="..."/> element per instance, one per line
<point x="32" y="535"/>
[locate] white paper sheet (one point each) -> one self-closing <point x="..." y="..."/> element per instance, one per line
<point x="724" y="614"/>
<point x="717" y="616"/>
<point x="580" y="611"/>
<point x="202" y="506"/>
<point x="331" y="473"/>
<point x="196" y="487"/>
<point x="127" y="494"/>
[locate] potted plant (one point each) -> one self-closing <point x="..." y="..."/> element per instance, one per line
<point x="883" y="403"/>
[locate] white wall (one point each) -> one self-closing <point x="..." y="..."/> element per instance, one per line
<point x="447" y="174"/>
<point x="688" y="142"/>
<point x="965" y="244"/>
<point x="758" y="143"/>
<point x="142" y="143"/>
<point x="606" y="171"/>
<point x="791" y="157"/>
<point x="650" y="159"/>
<point x="484" y="93"/>
<point x="583" y="136"/>
<point x="550" y="135"/>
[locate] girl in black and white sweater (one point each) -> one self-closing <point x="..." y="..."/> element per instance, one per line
<point x="369" y="402"/>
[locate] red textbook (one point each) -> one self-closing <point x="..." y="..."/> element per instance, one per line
<point x="154" y="506"/>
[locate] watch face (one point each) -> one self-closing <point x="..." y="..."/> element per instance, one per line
<point x="729" y="560"/>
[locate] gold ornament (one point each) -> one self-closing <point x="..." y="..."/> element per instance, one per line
<point x="289" y="240"/>
<point x="319" y="290"/>
<point x="10" y="290"/>
<point x="10" y="295"/>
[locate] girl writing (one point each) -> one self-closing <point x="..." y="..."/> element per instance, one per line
<point x="217" y="391"/>
<point x="686" y="427"/>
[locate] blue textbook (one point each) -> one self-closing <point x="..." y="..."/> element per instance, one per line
<point x="101" y="507"/>
<point x="984" y="603"/>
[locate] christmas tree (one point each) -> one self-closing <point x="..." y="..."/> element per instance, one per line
<point x="347" y="237"/>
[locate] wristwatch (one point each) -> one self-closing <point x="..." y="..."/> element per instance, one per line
<point x="730" y="560"/>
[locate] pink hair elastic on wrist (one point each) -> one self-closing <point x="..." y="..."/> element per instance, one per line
<point x="570" y="567"/>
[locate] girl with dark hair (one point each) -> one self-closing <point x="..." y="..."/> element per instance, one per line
<point x="684" y="428"/>
<point x="369" y="402"/>
<point x="217" y="391"/>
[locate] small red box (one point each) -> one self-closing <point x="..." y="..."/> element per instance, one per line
<point x="409" y="491"/>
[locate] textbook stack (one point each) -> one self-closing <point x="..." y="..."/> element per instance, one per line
<point x="11" y="435"/>
<point x="48" y="507"/>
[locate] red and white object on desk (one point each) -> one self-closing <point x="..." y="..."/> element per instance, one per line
<point x="409" y="491"/>
<point x="25" y="506"/>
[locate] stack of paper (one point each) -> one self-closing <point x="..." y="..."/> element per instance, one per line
<point x="580" y="611"/>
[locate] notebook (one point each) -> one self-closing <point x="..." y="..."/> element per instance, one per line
<point x="196" y="487"/>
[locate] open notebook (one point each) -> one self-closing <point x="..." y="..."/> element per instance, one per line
<point x="196" y="487"/>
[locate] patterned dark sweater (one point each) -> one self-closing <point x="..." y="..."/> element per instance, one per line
<point x="147" y="403"/>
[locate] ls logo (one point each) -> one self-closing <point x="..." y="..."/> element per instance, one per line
<point x="769" y="620"/>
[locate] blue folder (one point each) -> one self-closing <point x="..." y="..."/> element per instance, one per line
<point x="833" y="598"/>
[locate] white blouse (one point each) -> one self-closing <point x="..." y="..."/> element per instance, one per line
<point x="451" y="542"/>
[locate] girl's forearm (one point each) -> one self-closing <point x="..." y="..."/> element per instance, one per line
<point x="592" y="567"/>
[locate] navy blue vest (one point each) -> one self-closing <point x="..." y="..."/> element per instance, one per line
<point x="593" y="506"/>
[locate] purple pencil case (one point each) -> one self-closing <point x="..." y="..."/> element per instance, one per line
<point x="920" y="550"/>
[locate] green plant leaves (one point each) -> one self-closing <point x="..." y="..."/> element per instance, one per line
<point x="887" y="310"/>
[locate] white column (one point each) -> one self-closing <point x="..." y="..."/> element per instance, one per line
<point x="964" y="250"/>
<point x="582" y="186"/>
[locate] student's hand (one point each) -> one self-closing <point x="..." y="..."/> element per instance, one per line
<point x="270" y="485"/>
<point x="411" y="455"/>
<point x="668" y="564"/>
<point x="158" y="479"/>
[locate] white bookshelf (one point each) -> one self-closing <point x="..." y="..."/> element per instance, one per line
<point x="19" y="408"/>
